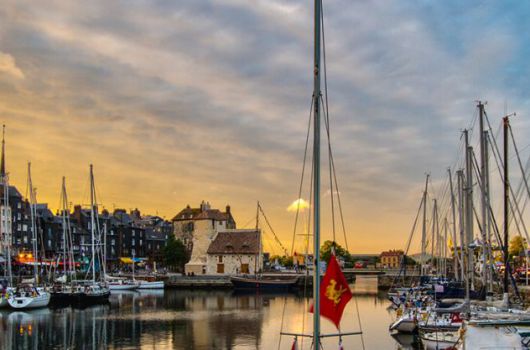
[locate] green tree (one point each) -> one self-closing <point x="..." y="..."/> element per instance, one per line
<point x="325" y="252"/>
<point x="516" y="246"/>
<point x="175" y="255"/>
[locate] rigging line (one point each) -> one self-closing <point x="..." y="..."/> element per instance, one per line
<point x="330" y="155"/>
<point x="303" y="173"/>
<point x="298" y="206"/>
<point x="331" y="162"/>
<point x="326" y="119"/>
<point x="519" y="160"/>
<point x="272" y="230"/>
<point x="499" y="166"/>
<point x="409" y="241"/>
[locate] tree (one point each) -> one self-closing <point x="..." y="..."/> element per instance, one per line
<point x="516" y="246"/>
<point x="325" y="252"/>
<point x="175" y="255"/>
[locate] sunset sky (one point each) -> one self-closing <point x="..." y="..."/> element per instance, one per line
<point x="175" y="102"/>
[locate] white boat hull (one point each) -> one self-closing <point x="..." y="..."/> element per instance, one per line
<point x="404" y="325"/>
<point x="151" y="285"/>
<point x="440" y="340"/>
<point x="123" y="286"/>
<point x="29" y="302"/>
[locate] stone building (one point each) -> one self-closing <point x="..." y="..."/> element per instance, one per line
<point x="234" y="252"/>
<point x="391" y="259"/>
<point x="197" y="228"/>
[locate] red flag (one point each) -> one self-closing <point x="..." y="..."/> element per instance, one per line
<point x="334" y="293"/>
<point x="295" y="344"/>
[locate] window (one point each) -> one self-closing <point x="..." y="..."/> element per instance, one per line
<point x="244" y="268"/>
<point x="19" y="205"/>
<point x="18" y="227"/>
<point x="19" y="216"/>
<point x="132" y="242"/>
<point x="112" y="242"/>
<point x="25" y="239"/>
<point x="49" y="243"/>
<point x="220" y="268"/>
<point x="140" y="243"/>
<point x="220" y="258"/>
<point x="133" y="233"/>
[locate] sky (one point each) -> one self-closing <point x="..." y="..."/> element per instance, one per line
<point x="179" y="102"/>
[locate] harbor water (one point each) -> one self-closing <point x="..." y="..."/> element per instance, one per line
<point x="186" y="319"/>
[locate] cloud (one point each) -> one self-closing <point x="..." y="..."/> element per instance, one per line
<point x="8" y="65"/>
<point x="210" y="99"/>
<point x="298" y="205"/>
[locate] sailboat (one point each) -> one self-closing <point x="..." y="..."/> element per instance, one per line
<point x="332" y="301"/>
<point x="259" y="282"/>
<point x="117" y="283"/>
<point x="29" y="296"/>
<point x="95" y="290"/>
<point x="62" y="291"/>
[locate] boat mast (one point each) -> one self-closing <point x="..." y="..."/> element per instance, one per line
<point x="506" y="125"/>
<point x="469" y="212"/>
<point x="424" y="228"/>
<point x="485" y="256"/>
<point x="461" y="222"/>
<point x="259" y="242"/>
<point x="33" y="213"/>
<point x="64" y="200"/>
<point x="6" y="213"/>
<point x="92" y="224"/>
<point x="453" y="209"/>
<point x="316" y="179"/>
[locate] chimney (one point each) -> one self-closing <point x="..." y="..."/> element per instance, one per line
<point x="228" y="209"/>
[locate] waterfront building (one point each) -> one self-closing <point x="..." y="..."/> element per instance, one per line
<point x="234" y="252"/>
<point x="197" y="228"/>
<point x="391" y="258"/>
<point x="157" y="231"/>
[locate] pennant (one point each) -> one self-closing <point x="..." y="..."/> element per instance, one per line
<point x="295" y="344"/>
<point x="334" y="293"/>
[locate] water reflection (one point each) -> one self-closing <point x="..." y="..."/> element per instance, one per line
<point x="189" y="320"/>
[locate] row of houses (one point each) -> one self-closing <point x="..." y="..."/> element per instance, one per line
<point x="124" y="234"/>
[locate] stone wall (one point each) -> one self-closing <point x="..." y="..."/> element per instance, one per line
<point x="232" y="264"/>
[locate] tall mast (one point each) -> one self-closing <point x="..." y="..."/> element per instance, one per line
<point x="316" y="179"/>
<point x="256" y="264"/>
<point x="92" y="224"/>
<point x="6" y="223"/>
<point x="63" y="209"/>
<point x="506" y="125"/>
<point x="469" y="212"/>
<point x="434" y="235"/>
<point x="424" y="227"/>
<point x="483" y="194"/>
<point x="461" y="222"/>
<point x="33" y="214"/>
<point x="3" y="160"/>
<point x="453" y="209"/>
<point x="489" y="288"/>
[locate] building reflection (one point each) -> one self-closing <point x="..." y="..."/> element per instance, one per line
<point x="174" y="319"/>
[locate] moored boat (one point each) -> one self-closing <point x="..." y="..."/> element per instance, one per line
<point x="263" y="283"/>
<point x="151" y="285"/>
<point x="28" y="297"/>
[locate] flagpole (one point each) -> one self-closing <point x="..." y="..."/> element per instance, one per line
<point x="316" y="181"/>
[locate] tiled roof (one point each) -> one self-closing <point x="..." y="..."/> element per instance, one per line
<point x="236" y="242"/>
<point x="392" y="253"/>
<point x="198" y="214"/>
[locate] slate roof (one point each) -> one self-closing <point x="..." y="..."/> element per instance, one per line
<point x="236" y="242"/>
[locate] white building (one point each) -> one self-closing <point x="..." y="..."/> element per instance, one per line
<point x="234" y="252"/>
<point x="197" y="228"/>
